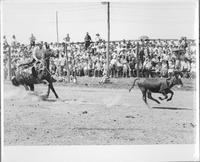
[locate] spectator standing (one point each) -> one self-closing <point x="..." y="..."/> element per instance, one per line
<point x="53" y="67"/>
<point x="85" y="67"/>
<point x="97" y="38"/>
<point x="171" y="67"/>
<point x="132" y="72"/>
<point x="5" y="42"/>
<point x="147" y="67"/>
<point x="13" y="41"/>
<point x="183" y="43"/>
<point x="113" y="67"/>
<point x="98" y="68"/>
<point x="67" y="39"/>
<point x="87" y="40"/>
<point x="141" y="56"/>
<point x="32" y="40"/>
<point x="164" y="69"/>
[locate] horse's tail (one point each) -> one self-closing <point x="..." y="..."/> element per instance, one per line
<point x="133" y="84"/>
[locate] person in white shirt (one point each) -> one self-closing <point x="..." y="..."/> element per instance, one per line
<point x="113" y="67"/>
<point x="171" y="67"/>
<point x="97" y="38"/>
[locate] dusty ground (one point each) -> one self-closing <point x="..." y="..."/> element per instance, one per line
<point x="95" y="116"/>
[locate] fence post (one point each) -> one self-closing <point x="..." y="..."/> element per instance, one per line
<point x="138" y="60"/>
<point x="9" y="63"/>
<point x="67" y="64"/>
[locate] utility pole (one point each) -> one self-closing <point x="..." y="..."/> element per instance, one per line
<point x="108" y="36"/>
<point x="57" y="26"/>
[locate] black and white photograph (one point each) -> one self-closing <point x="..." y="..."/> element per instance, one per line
<point x="102" y="73"/>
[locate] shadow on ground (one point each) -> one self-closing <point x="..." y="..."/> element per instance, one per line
<point x="172" y="108"/>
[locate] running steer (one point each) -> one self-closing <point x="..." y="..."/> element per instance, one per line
<point x="163" y="86"/>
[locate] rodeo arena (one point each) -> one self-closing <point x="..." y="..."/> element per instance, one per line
<point x="139" y="92"/>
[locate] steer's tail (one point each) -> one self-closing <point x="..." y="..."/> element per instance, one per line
<point x="133" y="84"/>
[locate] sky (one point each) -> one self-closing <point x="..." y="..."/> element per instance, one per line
<point x="129" y="20"/>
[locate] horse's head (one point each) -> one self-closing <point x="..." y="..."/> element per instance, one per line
<point x="14" y="81"/>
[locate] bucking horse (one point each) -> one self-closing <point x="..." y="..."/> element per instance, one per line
<point x="157" y="85"/>
<point x="25" y="76"/>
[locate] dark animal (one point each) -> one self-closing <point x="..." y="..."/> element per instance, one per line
<point x="27" y="79"/>
<point x="163" y="86"/>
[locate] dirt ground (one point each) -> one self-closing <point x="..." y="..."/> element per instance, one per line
<point x="96" y="116"/>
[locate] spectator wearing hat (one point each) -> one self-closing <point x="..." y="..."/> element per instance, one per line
<point x="97" y="38"/>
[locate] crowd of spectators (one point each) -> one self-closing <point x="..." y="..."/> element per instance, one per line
<point x="156" y="57"/>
